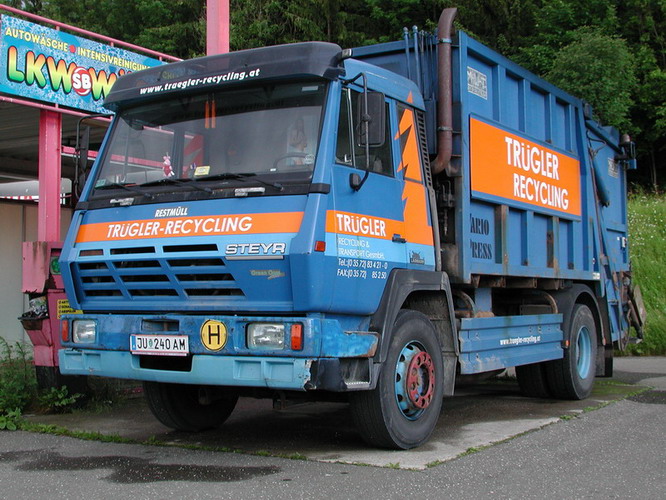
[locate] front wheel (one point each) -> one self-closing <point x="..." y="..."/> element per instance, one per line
<point x="189" y="408"/>
<point x="532" y="380"/>
<point x="572" y="377"/>
<point x="402" y="411"/>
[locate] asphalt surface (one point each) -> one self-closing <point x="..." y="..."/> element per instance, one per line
<point x="613" y="451"/>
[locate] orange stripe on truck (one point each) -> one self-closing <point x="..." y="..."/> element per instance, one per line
<point x="362" y="225"/>
<point x="414" y="194"/>
<point x="370" y="226"/>
<point x="207" y="225"/>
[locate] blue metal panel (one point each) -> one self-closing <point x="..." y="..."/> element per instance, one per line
<point x="163" y="273"/>
<point x="536" y="118"/>
<point x="494" y="343"/>
<point x="529" y="240"/>
<point x="561" y="135"/>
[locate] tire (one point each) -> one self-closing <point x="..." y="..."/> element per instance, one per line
<point x="572" y="377"/>
<point x="403" y="409"/>
<point x="532" y="380"/>
<point x="190" y="408"/>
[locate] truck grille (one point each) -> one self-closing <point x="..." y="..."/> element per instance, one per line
<point x="168" y="273"/>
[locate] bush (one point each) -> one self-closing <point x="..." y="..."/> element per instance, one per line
<point x="58" y="399"/>
<point x="11" y="420"/>
<point x="17" y="377"/>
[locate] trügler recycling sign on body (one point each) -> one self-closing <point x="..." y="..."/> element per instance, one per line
<point x="48" y="65"/>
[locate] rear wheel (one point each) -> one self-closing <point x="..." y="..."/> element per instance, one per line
<point x="572" y="377"/>
<point x="189" y="408"/>
<point x="402" y="411"/>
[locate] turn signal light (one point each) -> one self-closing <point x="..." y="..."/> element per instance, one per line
<point x="320" y="246"/>
<point x="296" y="337"/>
<point x="64" y="330"/>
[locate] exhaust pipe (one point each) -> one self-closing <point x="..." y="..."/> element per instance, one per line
<point x="444" y="93"/>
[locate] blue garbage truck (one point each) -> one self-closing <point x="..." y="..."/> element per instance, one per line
<point x="303" y="222"/>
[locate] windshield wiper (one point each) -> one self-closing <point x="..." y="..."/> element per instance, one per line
<point x="130" y="188"/>
<point x="180" y="182"/>
<point x="247" y="176"/>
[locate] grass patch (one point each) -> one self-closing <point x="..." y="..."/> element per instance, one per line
<point x="474" y="449"/>
<point x="57" y="430"/>
<point x="647" y="244"/>
<point x="606" y="388"/>
<point x="609" y="381"/>
<point x="434" y="463"/>
<point x="84" y="435"/>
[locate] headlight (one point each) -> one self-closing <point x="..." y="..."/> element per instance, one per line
<point x="84" y="331"/>
<point x="265" y="336"/>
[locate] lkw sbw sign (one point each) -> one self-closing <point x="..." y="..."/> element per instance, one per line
<point x="53" y="66"/>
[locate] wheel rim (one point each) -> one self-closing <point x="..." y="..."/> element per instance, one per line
<point x="414" y="380"/>
<point x="584" y="352"/>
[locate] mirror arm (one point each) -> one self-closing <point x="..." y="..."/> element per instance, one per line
<point x="366" y="125"/>
<point x="354" y="181"/>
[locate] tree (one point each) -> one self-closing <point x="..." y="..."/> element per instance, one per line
<point x="554" y="26"/>
<point x="501" y="24"/>
<point x="598" y="68"/>
<point x="256" y="23"/>
<point x="175" y="27"/>
<point x="644" y="27"/>
<point x="34" y="6"/>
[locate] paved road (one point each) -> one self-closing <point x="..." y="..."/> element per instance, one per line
<point x="479" y="415"/>
<point x="613" y="452"/>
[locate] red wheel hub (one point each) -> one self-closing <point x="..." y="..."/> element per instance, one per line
<point x="420" y="382"/>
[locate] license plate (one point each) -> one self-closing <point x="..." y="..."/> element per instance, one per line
<point x="160" y="345"/>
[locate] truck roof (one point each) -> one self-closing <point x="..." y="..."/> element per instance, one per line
<point x="384" y="80"/>
<point x="307" y="59"/>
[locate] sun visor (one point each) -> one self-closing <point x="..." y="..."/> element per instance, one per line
<point x="309" y="59"/>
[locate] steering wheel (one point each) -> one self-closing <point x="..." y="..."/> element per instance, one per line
<point x="289" y="155"/>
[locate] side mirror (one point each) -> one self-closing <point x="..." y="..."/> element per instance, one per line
<point x="81" y="150"/>
<point x="355" y="181"/>
<point x="374" y="114"/>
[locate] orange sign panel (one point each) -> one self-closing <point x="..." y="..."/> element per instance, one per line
<point x="212" y="225"/>
<point x="362" y="225"/>
<point x="373" y="227"/>
<point x="511" y="167"/>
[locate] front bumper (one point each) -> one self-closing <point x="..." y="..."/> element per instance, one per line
<point x="332" y="358"/>
<point x="237" y="371"/>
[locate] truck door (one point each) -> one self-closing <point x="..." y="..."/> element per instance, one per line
<point x="367" y="223"/>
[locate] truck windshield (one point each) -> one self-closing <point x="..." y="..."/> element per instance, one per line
<point x="269" y="134"/>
